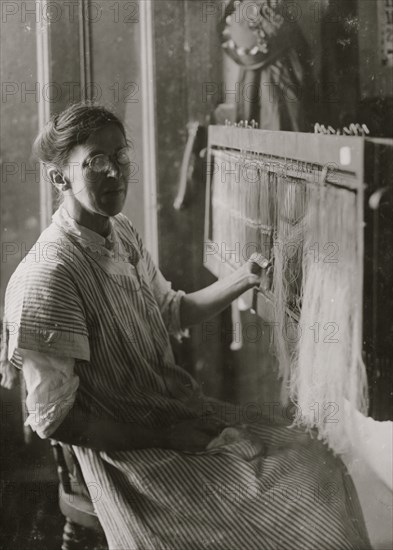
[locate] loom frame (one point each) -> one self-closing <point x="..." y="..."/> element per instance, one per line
<point x="358" y="175"/>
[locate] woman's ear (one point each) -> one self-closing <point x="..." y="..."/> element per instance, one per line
<point x="57" y="178"/>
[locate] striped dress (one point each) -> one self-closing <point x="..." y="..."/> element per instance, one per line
<point x="272" y="487"/>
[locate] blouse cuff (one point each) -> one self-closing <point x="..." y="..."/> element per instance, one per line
<point x="45" y="417"/>
<point x="51" y="386"/>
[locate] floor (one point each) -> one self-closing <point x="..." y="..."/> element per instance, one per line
<point x="376" y="501"/>
<point x="32" y="520"/>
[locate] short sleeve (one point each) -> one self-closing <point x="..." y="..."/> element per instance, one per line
<point x="44" y="312"/>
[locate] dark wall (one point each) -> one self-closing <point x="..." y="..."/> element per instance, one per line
<point x="20" y="219"/>
<point x="188" y="57"/>
<point x="20" y="201"/>
<point x="115" y="73"/>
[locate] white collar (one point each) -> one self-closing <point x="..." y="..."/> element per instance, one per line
<point x="87" y="236"/>
<point x="110" y="247"/>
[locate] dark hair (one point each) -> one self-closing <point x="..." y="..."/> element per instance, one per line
<point x="71" y="127"/>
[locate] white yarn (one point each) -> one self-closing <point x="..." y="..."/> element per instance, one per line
<point x="327" y="367"/>
<point x="316" y="257"/>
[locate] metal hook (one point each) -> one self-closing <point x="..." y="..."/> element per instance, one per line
<point x="365" y="129"/>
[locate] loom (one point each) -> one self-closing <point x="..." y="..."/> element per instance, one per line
<point x="319" y="208"/>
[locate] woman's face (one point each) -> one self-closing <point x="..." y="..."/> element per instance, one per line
<point x="103" y="191"/>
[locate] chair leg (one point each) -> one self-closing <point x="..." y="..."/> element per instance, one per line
<point x="74" y="536"/>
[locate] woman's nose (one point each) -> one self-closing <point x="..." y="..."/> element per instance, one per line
<point x="114" y="170"/>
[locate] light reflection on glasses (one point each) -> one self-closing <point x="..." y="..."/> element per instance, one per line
<point x="104" y="163"/>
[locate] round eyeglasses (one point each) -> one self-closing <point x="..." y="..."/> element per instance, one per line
<point x="103" y="162"/>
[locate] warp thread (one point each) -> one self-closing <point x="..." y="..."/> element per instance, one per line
<point x="311" y="230"/>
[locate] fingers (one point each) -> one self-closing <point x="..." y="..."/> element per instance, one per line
<point x="194" y="435"/>
<point x="210" y="425"/>
<point x="259" y="259"/>
<point x="195" y="442"/>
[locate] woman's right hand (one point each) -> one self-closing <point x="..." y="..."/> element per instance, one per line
<point x="192" y="435"/>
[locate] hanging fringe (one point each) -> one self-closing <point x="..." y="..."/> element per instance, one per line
<point x="327" y="368"/>
<point x="291" y="201"/>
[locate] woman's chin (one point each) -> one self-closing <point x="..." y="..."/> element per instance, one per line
<point x="112" y="204"/>
<point x="113" y="211"/>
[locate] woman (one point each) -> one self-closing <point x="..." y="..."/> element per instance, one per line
<point x="88" y="315"/>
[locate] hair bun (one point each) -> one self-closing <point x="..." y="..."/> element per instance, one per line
<point x="69" y="128"/>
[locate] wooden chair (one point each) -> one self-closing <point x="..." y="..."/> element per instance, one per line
<point x="82" y="530"/>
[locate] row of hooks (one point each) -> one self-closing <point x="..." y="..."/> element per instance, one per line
<point x="354" y="129"/>
<point x="252" y="124"/>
